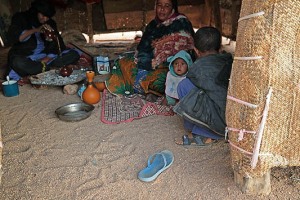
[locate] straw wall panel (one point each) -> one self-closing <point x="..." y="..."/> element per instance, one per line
<point x="275" y="36"/>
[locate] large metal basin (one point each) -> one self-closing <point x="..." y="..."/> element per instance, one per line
<point x="74" y="111"/>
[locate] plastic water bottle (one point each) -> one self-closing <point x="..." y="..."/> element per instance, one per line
<point x="81" y="89"/>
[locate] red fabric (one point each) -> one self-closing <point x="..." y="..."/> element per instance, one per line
<point x="170" y="45"/>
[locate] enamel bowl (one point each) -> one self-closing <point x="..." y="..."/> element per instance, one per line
<point x="74" y="111"/>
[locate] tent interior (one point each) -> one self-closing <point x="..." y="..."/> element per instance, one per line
<point x="99" y="16"/>
<point x="95" y="26"/>
<point x="92" y="21"/>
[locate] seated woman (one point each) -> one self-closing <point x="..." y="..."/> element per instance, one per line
<point x="164" y="36"/>
<point x="33" y="51"/>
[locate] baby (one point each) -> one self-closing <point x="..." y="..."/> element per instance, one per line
<point x="179" y="64"/>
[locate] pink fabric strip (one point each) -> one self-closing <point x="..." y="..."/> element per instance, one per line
<point x="256" y="150"/>
<point x="247" y="152"/>
<point x="241" y="132"/>
<point x="240" y="149"/>
<point x="242" y="102"/>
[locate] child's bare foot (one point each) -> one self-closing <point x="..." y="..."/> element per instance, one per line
<point x="180" y="141"/>
<point x="40" y="87"/>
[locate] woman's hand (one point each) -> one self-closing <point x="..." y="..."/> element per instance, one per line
<point x="49" y="32"/>
<point x="29" y="32"/>
<point x="47" y="27"/>
<point x="154" y="64"/>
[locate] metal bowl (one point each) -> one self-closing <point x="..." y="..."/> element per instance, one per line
<point x="74" y="111"/>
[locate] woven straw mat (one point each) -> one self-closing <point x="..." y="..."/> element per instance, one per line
<point x="273" y="39"/>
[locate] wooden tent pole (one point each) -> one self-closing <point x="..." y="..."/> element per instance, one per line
<point x="90" y="31"/>
<point x="235" y="8"/>
<point x="207" y="15"/>
<point x="102" y="14"/>
<point x="144" y="15"/>
<point x="217" y="14"/>
<point x="213" y="13"/>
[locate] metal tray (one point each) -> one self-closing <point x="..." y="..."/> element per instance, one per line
<point x="74" y="111"/>
<point x="53" y="78"/>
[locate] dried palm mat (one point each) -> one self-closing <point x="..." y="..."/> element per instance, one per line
<point x="263" y="105"/>
<point x="117" y="109"/>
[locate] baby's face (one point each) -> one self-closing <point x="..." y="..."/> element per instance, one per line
<point x="180" y="67"/>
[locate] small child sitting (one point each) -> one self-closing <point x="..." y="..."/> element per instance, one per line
<point x="179" y="64"/>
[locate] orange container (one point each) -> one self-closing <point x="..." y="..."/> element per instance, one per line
<point x="91" y="95"/>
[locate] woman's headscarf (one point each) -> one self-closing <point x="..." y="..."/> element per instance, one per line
<point x="43" y="7"/>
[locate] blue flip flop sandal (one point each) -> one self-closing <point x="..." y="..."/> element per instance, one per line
<point x="157" y="163"/>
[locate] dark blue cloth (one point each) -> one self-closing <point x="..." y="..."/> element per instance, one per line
<point x="140" y="76"/>
<point x="184" y="87"/>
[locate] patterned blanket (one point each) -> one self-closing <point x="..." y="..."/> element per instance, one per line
<point x="118" y="109"/>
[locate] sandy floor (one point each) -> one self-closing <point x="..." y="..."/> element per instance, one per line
<point x="45" y="158"/>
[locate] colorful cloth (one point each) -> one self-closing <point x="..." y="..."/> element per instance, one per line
<point x="124" y="75"/>
<point x="159" y="41"/>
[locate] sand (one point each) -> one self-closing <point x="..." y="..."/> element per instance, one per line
<point x="46" y="158"/>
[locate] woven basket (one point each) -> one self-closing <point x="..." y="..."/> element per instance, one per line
<point x="263" y="106"/>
